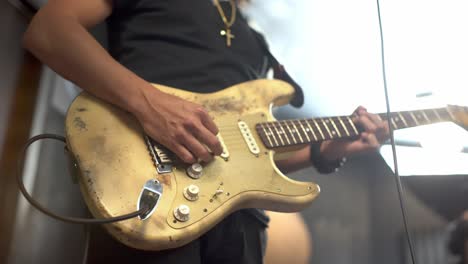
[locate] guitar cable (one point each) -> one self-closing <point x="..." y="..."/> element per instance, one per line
<point x="397" y="177"/>
<point x="68" y="219"/>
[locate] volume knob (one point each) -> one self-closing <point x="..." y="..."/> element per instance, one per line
<point x="191" y="192"/>
<point x="195" y="171"/>
<point x="182" y="213"/>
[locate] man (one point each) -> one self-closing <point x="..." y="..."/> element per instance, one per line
<point x="197" y="45"/>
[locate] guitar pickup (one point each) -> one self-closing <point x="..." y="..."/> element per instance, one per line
<point x="162" y="157"/>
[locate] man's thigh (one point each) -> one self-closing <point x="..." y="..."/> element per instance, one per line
<point x="239" y="238"/>
<point x="105" y="249"/>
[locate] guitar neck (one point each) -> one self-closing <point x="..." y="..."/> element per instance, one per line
<point x="294" y="132"/>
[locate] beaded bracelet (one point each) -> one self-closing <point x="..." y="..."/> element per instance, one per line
<point x="322" y="165"/>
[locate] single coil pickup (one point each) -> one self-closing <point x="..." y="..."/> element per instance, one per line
<point x="248" y="137"/>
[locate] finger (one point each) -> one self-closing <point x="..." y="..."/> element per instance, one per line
<point x="382" y="130"/>
<point x="183" y="153"/>
<point x="370" y="141"/>
<point x="360" y="109"/>
<point x="207" y="121"/>
<point x="173" y="145"/>
<point x="210" y="140"/>
<point x="374" y="118"/>
<point x="367" y="124"/>
<point x="200" y="151"/>
<point x="205" y="136"/>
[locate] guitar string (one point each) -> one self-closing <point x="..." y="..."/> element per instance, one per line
<point x="233" y="131"/>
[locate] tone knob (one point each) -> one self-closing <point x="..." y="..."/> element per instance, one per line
<point x="195" y="171"/>
<point x="191" y="192"/>
<point x="182" y="213"/>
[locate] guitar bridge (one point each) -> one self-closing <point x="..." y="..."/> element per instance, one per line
<point x="161" y="156"/>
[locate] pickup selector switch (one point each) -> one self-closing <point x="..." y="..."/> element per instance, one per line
<point x="195" y="171"/>
<point x="191" y="192"/>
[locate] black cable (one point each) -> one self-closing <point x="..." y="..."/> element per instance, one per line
<point x="392" y="140"/>
<point x="74" y="220"/>
<point x="87" y="244"/>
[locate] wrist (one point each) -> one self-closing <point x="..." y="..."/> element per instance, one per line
<point x="141" y="104"/>
<point x="330" y="152"/>
<point x="325" y="163"/>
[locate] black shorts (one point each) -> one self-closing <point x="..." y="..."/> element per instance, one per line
<point x="239" y="238"/>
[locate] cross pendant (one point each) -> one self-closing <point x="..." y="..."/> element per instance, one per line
<point x="227" y="33"/>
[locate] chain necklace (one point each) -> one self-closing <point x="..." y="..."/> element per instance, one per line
<point x="228" y="24"/>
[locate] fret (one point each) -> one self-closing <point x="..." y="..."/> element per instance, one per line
<point x="450" y="114"/>
<point x="336" y="128"/>
<point x="443" y="114"/>
<point x="437" y="114"/>
<point x="319" y="129"/>
<point x="399" y="122"/>
<point x="344" y="127"/>
<point x="279" y="134"/>
<point x="352" y="125"/>
<point x="392" y="120"/>
<point x="421" y="119"/>
<point x="402" y="119"/>
<point x="297" y="131"/>
<point x="425" y="116"/>
<point x="431" y="116"/>
<point x="414" y="118"/>
<point x="326" y="127"/>
<point x="311" y="129"/>
<point x="290" y="132"/>
<point x="305" y="132"/>
<point x="266" y="134"/>
<point x="286" y="135"/>
<point x="273" y="134"/>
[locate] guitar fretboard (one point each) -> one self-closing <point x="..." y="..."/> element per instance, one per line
<point x="286" y="133"/>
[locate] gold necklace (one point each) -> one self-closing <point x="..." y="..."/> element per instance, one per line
<point x="228" y="24"/>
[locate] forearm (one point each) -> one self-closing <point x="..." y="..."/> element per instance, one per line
<point x="298" y="160"/>
<point x="302" y="158"/>
<point x="61" y="42"/>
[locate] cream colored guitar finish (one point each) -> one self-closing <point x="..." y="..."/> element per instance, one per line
<point x="115" y="162"/>
<point x="109" y="147"/>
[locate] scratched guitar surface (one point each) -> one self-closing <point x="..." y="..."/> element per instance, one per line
<point x="114" y="162"/>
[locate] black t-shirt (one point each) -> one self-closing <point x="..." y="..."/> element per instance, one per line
<point x="178" y="43"/>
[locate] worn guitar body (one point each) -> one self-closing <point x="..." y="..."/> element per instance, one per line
<point x="115" y="163"/>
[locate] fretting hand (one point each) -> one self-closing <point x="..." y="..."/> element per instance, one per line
<point x="376" y="131"/>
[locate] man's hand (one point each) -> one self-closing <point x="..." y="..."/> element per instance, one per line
<point x="375" y="132"/>
<point x="184" y="127"/>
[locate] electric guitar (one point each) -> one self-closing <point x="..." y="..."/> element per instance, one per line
<point x="121" y="169"/>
